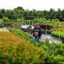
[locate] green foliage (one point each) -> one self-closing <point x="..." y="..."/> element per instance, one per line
<point x="54" y="51"/>
<point x="20" y="19"/>
<point x="41" y="20"/>
<point x="5" y="18"/>
<point x="57" y="29"/>
<point x="58" y="33"/>
<point x="7" y="21"/>
<point x="1" y="21"/>
<point x="31" y="14"/>
<point x="21" y="34"/>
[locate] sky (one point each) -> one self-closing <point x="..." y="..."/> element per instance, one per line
<point x="32" y="4"/>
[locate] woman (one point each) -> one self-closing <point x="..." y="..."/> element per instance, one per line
<point x="37" y="32"/>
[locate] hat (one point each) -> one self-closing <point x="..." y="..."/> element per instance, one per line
<point x="37" y="25"/>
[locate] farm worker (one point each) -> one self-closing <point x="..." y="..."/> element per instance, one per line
<point x="37" y="32"/>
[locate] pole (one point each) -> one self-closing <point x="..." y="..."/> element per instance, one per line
<point x="46" y="27"/>
<point x="59" y="30"/>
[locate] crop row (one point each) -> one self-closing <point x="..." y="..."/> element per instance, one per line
<point x="58" y="34"/>
<point x="15" y="50"/>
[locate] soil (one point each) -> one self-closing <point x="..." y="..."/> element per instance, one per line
<point x="16" y="26"/>
<point x="45" y="26"/>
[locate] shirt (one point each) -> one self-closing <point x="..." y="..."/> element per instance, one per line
<point x="36" y="32"/>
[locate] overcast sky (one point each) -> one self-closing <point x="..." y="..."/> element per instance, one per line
<point x="32" y="4"/>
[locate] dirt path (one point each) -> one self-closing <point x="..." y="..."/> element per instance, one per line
<point x="51" y="38"/>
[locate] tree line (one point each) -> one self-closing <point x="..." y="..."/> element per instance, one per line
<point x="31" y="14"/>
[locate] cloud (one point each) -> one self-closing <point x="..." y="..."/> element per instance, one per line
<point x="32" y="4"/>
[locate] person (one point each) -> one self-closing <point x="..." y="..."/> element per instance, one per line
<point x="37" y="32"/>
